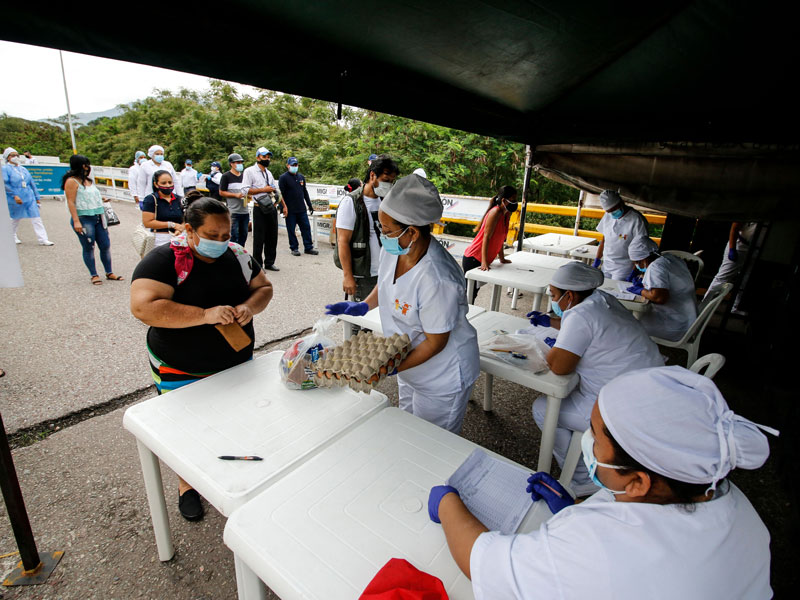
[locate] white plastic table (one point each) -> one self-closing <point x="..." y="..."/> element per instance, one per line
<point x="527" y="271"/>
<point x="636" y="306"/>
<point x="555" y="387"/>
<point x="556" y="243"/>
<point x="245" y="410"/>
<point x="372" y="320"/>
<point x="586" y="253"/>
<point x="324" y="531"/>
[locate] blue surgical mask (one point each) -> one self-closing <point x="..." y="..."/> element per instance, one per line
<point x="392" y="244"/>
<point x="556" y="308"/>
<point x="158" y="158"/>
<point x="640" y="269"/>
<point x="211" y="248"/>
<point x="616" y="214"/>
<point x="589" y="459"/>
<point x="292" y="170"/>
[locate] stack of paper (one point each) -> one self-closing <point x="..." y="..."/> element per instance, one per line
<point x="493" y="490"/>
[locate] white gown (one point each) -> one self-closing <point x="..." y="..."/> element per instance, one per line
<point x="671" y="319"/>
<point x="617" y="236"/>
<point x="431" y="298"/>
<point x="602" y="549"/>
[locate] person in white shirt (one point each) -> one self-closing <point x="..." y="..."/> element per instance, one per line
<point x="261" y="186"/>
<point x="421" y="292"/>
<point x="598" y="339"/>
<point x="144" y="181"/>
<point x="133" y="177"/>
<point x="358" y="229"/>
<point x="666" y="524"/>
<point x="29" y="158"/>
<point x="188" y="177"/>
<point x="668" y="285"/>
<point x="734" y="256"/>
<point x="619" y="226"/>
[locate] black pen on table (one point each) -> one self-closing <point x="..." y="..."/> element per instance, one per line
<point x="240" y="458"/>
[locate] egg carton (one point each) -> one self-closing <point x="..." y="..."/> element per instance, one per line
<point x="362" y="362"/>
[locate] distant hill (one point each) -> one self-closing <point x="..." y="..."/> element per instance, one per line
<point x="79" y="119"/>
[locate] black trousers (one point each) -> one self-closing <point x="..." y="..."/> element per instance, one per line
<point x="265" y="235"/>
<point x="467" y="264"/>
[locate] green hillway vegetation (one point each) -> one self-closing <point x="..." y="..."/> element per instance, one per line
<point x="210" y="125"/>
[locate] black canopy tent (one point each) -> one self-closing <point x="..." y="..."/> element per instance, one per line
<point x="662" y="100"/>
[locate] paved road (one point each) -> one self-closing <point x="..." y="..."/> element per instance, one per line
<point x="67" y="345"/>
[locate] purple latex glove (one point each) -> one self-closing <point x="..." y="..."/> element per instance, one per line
<point x="542" y="486"/>
<point x="636" y="288"/>
<point x="596" y="263"/>
<point x="353" y="309"/>
<point x="437" y="493"/>
<point x="538" y="319"/>
<point x="733" y="254"/>
<point x="550" y="341"/>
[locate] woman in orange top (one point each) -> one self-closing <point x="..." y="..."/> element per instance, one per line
<point x="488" y="244"/>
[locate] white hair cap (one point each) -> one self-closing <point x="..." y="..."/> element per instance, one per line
<point x="152" y="150"/>
<point x="577" y="276"/>
<point x="609" y="199"/>
<point x="413" y="200"/>
<point x="8" y="151"/>
<point x="641" y="247"/>
<point x="421" y="172"/>
<point x="676" y="423"/>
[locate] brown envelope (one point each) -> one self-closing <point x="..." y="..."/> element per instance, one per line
<point x="234" y="335"/>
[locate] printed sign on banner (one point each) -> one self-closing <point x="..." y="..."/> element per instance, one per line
<point x="468" y="208"/>
<point x="321" y="191"/>
<point x="48" y="178"/>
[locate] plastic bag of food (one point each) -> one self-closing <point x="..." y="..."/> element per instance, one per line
<point x="518" y="349"/>
<point x="297" y="363"/>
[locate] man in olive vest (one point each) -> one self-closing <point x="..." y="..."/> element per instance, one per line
<point x="358" y="229"/>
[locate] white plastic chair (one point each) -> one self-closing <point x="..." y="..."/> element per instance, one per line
<point x="691" y="339"/>
<point x="689" y="258"/>
<point x="571" y="460"/>
<point x="712" y="363"/>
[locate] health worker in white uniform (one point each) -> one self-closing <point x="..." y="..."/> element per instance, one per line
<point x="133" y="177"/>
<point x="668" y="285"/>
<point x="144" y="183"/>
<point x="421" y="292"/>
<point x="666" y="523"/>
<point x="619" y="226"/>
<point x="598" y="339"/>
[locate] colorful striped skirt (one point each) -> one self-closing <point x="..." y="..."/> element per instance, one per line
<point x="169" y="378"/>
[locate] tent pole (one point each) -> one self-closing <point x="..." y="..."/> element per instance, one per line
<point x="581" y="197"/>
<point x="526" y="184"/>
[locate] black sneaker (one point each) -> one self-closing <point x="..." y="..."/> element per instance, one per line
<point x="190" y="506"/>
<point x="312" y="251"/>
<point x="295" y="252"/>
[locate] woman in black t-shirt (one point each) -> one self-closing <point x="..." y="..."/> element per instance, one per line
<point x="162" y="211"/>
<point x="185" y="288"/>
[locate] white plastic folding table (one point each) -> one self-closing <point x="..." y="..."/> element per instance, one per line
<point x="324" y="530"/>
<point x="554" y="387"/>
<point x="527" y="271"/>
<point x="556" y="243"/>
<point x="587" y="253"/>
<point x="637" y="306"/>
<point x="245" y="410"/>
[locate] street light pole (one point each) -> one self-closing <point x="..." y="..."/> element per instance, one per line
<point x="66" y="95"/>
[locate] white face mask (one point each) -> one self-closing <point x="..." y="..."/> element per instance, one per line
<point x="382" y="188"/>
<point x="14" y="160"/>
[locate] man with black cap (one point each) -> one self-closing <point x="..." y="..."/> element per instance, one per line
<point x="296" y="201"/>
<point x="230" y="188"/>
<point x="261" y="185"/>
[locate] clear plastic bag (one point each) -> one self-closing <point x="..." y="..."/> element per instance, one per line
<point x="297" y="363"/>
<point x="519" y="349"/>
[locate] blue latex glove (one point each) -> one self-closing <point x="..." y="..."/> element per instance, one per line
<point x="550" y="341"/>
<point x="632" y="276"/>
<point x="733" y="254"/>
<point x="636" y="288"/>
<point x="353" y="309"/>
<point x="596" y="263"/>
<point x="541" y="486"/>
<point x="538" y="318"/>
<point x="437" y="493"/>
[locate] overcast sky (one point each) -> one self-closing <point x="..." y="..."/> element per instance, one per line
<point x="33" y="88"/>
